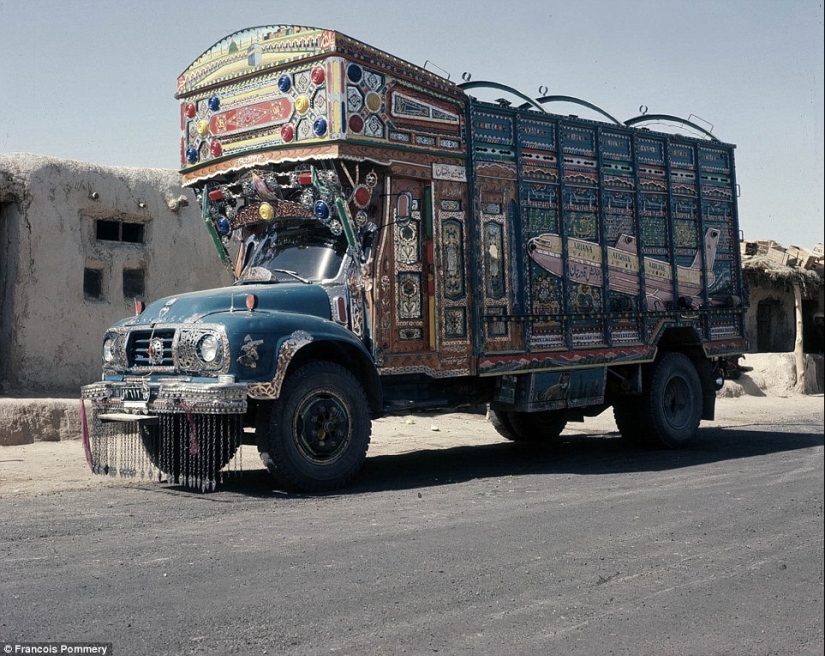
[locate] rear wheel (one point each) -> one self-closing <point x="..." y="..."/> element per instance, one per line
<point x="317" y="433"/>
<point x="626" y="413"/>
<point x="671" y="406"/>
<point x="529" y="426"/>
<point x="501" y="422"/>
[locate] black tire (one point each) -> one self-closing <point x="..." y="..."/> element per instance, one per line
<point x="531" y="427"/>
<point x="626" y="413"/>
<point x="671" y="406"/>
<point x="186" y="452"/>
<point x="165" y="460"/>
<point x="318" y="432"/>
<point x="501" y="422"/>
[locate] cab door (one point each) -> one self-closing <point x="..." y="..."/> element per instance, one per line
<point x="406" y="271"/>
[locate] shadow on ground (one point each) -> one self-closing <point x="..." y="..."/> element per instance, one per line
<point x="579" y="455"/>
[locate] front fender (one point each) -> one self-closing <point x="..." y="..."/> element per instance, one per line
<point x="264" y="348"/>
<point x="286" y="351"/>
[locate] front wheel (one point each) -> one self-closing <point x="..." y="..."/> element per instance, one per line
<point x="192" y="450"/>
<point x="529" y="426"/>
<point x="671" y="407"/>
<point x="318" y="431"/>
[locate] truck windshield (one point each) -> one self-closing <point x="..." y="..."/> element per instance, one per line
<point x="306" y="251"/>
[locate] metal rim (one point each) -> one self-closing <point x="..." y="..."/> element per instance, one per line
<point x="677" y="403"/>
<point x="322" y="427"/>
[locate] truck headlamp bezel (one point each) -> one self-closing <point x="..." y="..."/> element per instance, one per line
<point x="108" y="350"/>
<point x="209" y="348"/>
<point x="202" y="349"/>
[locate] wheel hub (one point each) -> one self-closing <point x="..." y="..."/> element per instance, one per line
<point x="677" y="403"/>
<point x="323" y="427"/>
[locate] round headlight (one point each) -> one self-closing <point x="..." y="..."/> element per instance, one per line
<point x="208" y="348"/>
<point x="108" y="349"/>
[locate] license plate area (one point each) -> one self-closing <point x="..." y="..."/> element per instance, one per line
<point x="135" y="395"/>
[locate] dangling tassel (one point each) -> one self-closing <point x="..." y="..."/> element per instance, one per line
<point x="84" y="433"/>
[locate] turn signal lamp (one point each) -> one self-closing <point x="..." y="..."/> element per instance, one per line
<point x="339" y="305"/>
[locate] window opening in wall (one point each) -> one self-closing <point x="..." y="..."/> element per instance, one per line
<point x="134" y="283"/>
<point x="93" y="284"/>
<point x="132" y="232"/>
<point x="111" y="230"/>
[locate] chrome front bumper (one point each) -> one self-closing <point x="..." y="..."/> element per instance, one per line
<point x="187" y="432"/>
<point x="137" y="397"/>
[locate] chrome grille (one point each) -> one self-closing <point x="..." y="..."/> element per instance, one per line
<point x="138" y="348"/>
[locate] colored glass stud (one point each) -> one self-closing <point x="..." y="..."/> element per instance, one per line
<point x="354" y="73"/>
<point x="190" y="110"/>
<point x="373" y="101"/>
<point x="223" y="225"/>
<point x="191" y="154"/>
<point x="284" y="83"/>
<point x="287" y="133"/>
<point x="317" y="75"/>
<point x="266" y="212"/>
<point x="321" y="210"/>
<point x="320" y="126"/>
<point x="215" y="148"/>
<point x="361" y="196"/>
<point x="203" y="127"/>
<point x="356" y="123"/>
<point x="214" y="103"/>
<point x="301" y="104"/>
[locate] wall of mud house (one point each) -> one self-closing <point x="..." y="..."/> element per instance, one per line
<point x="79" y="243"/>
<point x="770" y="322"/>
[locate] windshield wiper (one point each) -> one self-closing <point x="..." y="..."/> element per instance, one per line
<point x="253" y="281"/>
<point x="273" y="280"/>
<point x="293" y="274"/>
<point x="262" y="275"/>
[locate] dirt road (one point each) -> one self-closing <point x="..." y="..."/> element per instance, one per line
<point x="453" y="541"/>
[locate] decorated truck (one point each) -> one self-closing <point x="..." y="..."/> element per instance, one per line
<point x="400" y="245"/>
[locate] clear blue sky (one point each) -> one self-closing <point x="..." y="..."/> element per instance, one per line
<point x="94" y="80"/>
